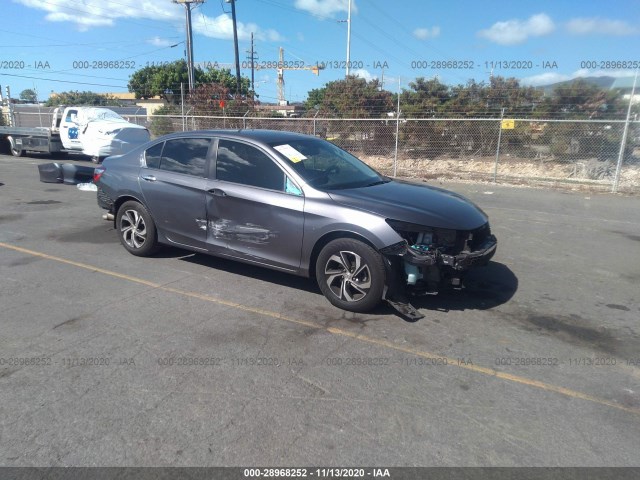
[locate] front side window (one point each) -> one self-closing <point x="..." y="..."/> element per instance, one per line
<point x="185" y="155"/>
<point x="241" y="163"/>
<point x="292" y="188"/>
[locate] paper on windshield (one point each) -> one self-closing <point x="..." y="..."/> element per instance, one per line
<point x="291" y="153"/>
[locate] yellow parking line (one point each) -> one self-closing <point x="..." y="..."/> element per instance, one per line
<point x="338" y="331"/>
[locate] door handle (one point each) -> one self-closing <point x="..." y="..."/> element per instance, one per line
<point x="149" y="178"/>
<point x="217" y="192"/>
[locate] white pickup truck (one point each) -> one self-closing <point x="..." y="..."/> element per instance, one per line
<point x="93" y="131"/>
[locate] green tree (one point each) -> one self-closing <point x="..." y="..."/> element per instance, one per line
<point x="162" y="122"/>
<point x="424" y="98"/>
<point x="159" y="80"/>
<point x="314" y="99"/>
<point x="507" y="93"/>
<point x="81" y="98"/>
<point x="165" y="80"/>
<point x="28" y="95"/>
<point x="218" y="99"/>
<point x="467" y="100"/>
<point x="356" y="97"/>
<point x="579" y="99"/>
<point x="225" y="78"/>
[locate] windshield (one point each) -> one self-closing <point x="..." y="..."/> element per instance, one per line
<point x="325" y="166"/>
<point x="97" y="114"/>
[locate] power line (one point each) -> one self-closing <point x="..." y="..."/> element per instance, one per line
<point x="61" y="81"/>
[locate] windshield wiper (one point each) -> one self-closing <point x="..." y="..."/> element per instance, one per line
<point x="378" y="182"/>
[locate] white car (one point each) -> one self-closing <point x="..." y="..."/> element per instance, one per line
<point x="99" y="132"/>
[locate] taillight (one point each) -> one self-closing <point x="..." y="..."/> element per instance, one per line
<point x="97" y="173"/>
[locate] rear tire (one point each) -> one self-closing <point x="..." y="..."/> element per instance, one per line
<point x="351" y="275"/>
<point x="136" y="229"/>
<point x="16" y="150"/>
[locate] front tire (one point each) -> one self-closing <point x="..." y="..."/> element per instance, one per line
<point x="351" y="275"/>
<point x="136" y="229"/>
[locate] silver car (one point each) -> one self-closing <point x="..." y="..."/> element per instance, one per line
<point x="298" y="204"/>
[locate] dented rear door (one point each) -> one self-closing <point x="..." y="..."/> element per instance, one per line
<point x="173" y="184"/>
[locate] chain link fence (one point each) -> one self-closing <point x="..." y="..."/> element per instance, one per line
<point x="547" y="151"/>
<point x="533" y="151"/>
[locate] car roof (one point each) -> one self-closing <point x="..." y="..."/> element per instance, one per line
<point x="258" y="136"/>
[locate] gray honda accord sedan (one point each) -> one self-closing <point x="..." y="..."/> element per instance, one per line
<point x="298" y="204"/>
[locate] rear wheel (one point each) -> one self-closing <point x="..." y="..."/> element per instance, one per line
<point x="351" y="275"/>
<point x="136" y="229"/>
<point x="16" y="150"/>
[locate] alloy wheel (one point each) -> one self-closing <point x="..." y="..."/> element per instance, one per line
<point x="133" y="229"/>
<point x="348" y="276"/>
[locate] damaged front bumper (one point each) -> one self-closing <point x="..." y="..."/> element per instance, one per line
<point x="428" y="260"/>
<point x="429" y="271"/>
<point x="415" y="271"/>
<point x="460" y="262"/>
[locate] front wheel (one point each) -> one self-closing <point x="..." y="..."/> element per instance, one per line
<point x="351" y="275"/>
<point x="136" y="229"/>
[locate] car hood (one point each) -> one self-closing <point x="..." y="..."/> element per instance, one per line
<point x="107" y="125"/>
<point x="413" y="203"/>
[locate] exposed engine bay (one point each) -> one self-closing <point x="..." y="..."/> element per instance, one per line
<point x="432" y="259"/>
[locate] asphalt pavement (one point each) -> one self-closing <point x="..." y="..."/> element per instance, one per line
<point x="107" y="359"/>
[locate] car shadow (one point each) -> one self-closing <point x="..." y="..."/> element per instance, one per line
<point x="485" y="287"/>
<point x="244" y="269"/>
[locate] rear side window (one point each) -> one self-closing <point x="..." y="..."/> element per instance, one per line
<point x="185" y="155"/>
<point x="241" y="163"/>
<point x="152" y="155"/>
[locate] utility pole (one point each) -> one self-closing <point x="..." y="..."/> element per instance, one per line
<point x="252" y="59"/>
<point x="348" y="38"/>
<point x="280" y="70"/>
<point x="235" y="42"/>
<point x="189" y="5"/>
<point x="348" y="22"/>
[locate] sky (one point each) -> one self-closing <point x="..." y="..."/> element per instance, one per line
<point x="57" y="45"/>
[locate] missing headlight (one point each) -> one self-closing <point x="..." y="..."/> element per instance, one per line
<point x="422" y="239"/>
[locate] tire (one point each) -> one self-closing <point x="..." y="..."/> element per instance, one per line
<point x="136" y="229"/>
<point x="16" y="151"/>
<point x="351" y="275"/>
